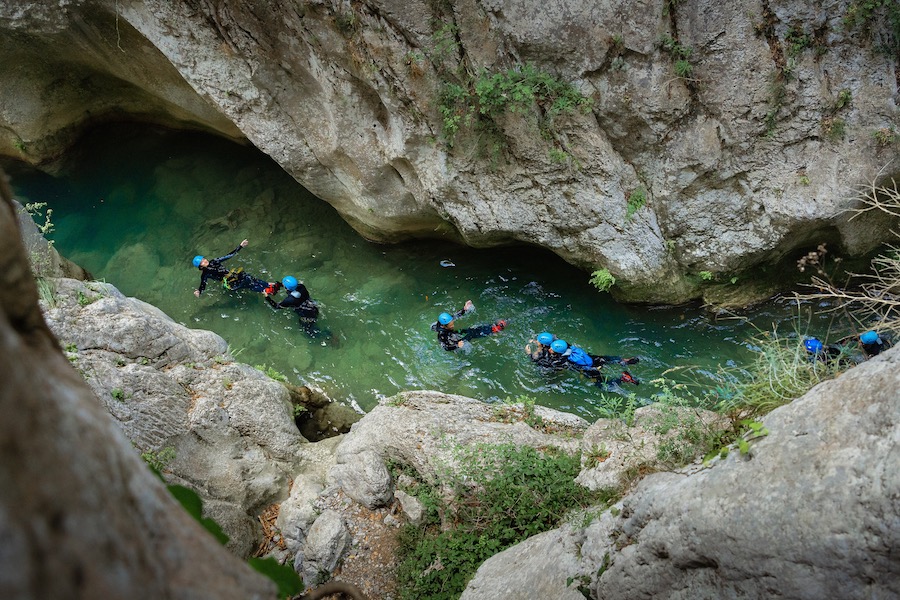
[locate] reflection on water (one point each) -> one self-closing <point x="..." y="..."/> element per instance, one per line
<point x="135" y="206"/>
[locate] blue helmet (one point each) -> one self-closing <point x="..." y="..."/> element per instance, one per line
<point x="445" y="318"/>
<point x="197" y="260"/>
<point x="289" y="283"/>
<point x="545" y="338"/>
<point x="813" y="345"/>
<point x="869" y="337"/>
<point x="559" y="346"/>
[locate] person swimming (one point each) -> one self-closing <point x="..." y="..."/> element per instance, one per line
<point x="452" y="339"/>
<point x="232" y="279"/>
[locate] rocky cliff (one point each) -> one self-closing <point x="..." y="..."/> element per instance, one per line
<point x="715" y="138"/>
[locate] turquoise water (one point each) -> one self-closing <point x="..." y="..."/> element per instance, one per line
<point x="134" y="206"/>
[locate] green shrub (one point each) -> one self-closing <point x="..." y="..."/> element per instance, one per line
<point x="636" y="201"/>
<point x="884" y="137"/>
<point x="779" y="373"/>
<point x="272" y="373"/>
<point x="501" y="495"/>
<point x="517" y="90"/>
<point x="603" y="280"/>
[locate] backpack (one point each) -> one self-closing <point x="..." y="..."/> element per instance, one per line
<point x="579" y="357"/>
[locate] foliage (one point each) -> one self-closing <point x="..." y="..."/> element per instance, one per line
<point x="500" y="495"/>
<point x="603" y="280"/>
<point x="884" y="137"/>
<point x="517" y="91"/>
<point x="845" y="96"/>
<point x="272" y="373"/>
<point x="797" y="41"/>
<point x="867" y="15"/>
<point x="636" y="201"/>
<point x="869" y="298"/>
<point x="192" y="503"/>
<point x="118" y="394"/>
<point x="595" y="456"/>
<point x="510" y="411"/>
<point x="683" y="68"/>
<point x="706" y="275"/>
<point x="676" y="50"/>
<point x="834" y="128"/>
<point x="158" y="461"/>
<point x="683" y="434"/>
<point x="285" y="577"/>
<point x="617" y="406"/>
<point x="780" y="372"/>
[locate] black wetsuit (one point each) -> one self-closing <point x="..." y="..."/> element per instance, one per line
<point x="547" y="359"/>
<point x="301" y="303"/>
<point x="238" y="279"/>
<point x="449" y="338"/>
<point x="870" y="350"/>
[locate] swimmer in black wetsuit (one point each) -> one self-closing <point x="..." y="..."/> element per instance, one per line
<point x="235" y="279"/>
<point x="543" y="353"/>
<point x="299" y="300"/>
<point x="872" y="344"/>
<point x="451" y="339"/>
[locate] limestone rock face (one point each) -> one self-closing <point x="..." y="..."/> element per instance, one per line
<point x="224" y="428"/>
<point x="81" y="516"/>
<point x="810" y="512"/>
<point x="740" y="158"/>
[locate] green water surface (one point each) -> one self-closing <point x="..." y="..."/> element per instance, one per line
<point x="134" y="205"/>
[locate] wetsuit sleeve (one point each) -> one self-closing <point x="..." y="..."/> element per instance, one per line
<point x="459" y="313"/>
<point x="204" y="274"/>
<point x="273" y="304"/>
<point x="230" y="254"/>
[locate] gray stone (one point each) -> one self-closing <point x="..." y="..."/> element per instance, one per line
<point x="810" y="512"/>
<point x="365" y="479"/>
<point x="345" y="98"/>
<point x="325" y="546"/>
<point x="411" y="506"/>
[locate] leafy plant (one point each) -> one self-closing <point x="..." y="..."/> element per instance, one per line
<point x="683" y="68"/>
<point x="272" y="373"/>
<point x="118" y="394"/>
<point x="884" y="137"/>
<point x="517" y="90"/>
<point x="834" y="128"/>
<point x="499" y="495"/>
<point x="845" y="96"/>
<point x="158" y="461"/>
<point x="706" y="275"/>
<point x="602" y="279"/>
<point x="596" y="455"/>
<point x="285" y="577"/>
<point x="636" y="201"/>
<point x="797" y="41"/>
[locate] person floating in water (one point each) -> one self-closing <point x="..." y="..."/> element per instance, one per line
<point x="451" y="339"/>
<point x="544" y="354"/>
<point x="872" y="344"/>
<point x="589" y="365"/>
<point x="299" y="300"/>
<point x="817" y="351"/>
<point x="234" y="279"/>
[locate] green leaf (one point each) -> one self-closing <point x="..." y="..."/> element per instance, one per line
<point x="192" y="503"/>
<point x="288" y="581"/>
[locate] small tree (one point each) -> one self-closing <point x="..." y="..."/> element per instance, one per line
<point x="876" y="294"/>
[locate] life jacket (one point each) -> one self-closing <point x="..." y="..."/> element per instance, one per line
<point x="579" y="357"/>
<point x="233" y="278"/>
